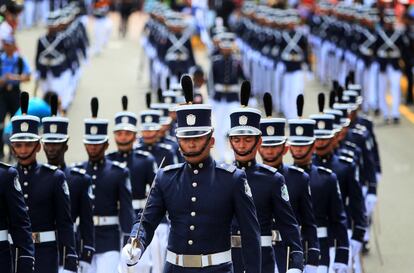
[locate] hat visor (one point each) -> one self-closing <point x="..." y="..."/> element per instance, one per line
<point x="300" y="141"/>
<point x="191" y="132"/>
<point x="244" y="131"/>
<point x="273" y="141"/>
<point x="324" y="134"/>
<point x="150" y="127"/>
<point x="24" y="137"/>
<point x="95" y="140"/>
<point x="125" y="127"/>
<point x="345" y="122"/>
<point x="54" y="139"/>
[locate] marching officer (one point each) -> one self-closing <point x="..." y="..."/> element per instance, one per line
<point x="141" y="164"/>
<point x="268" y="189"/>
<point x="111" y="188"/>
<point x="346" y="172"/>
<point x="226" y="74"/>
<point x="206" y="196"/>
<point x="272" y="151"/>
<point x="15" y="221"/>
<point x="46" y="194"/>
<point x="55" y="144"/>
<point x="148" y="141"/>
<point x="326" y="195"/>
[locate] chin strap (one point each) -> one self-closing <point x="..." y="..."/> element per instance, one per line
<point x="25" y="157"/>
<point x="124" y="143"/>
<point x="247" y="152"/>
<point x="305" y="155"/>
<point x="324" y="147"/>
<point x="195" y="154"/>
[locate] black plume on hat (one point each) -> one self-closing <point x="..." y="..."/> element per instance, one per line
<point x="268" y="105"/>
<point x="299" y="105"/>
<point x="124" y="101"/>
<point x="24" y="102"/>
<point x="332" y="97"/>
<point x="159" y="95"/>
<point x="148" y="99"/>
<point x="167" y="83"/>
<point x="245" y="93"/>
<point x="339" y="93"/>
<point x="321" y="102"/>
<point x="94" y="107"/>
<point x="335" y="85"/>
<point x="187" y="85"/>
<point x="54" y="104"/>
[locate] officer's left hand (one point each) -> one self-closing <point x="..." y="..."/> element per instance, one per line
<point x="294" y="270"/>
<point x="356" y="247"/>
<point x="84" y="267"/>
<point x="67" y="271"/>
<point x="340" y="268"/>
<point x="370" y="202"/>
<point x="310" y="269"/>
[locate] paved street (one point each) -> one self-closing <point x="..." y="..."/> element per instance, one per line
<point x="119" y="71"/>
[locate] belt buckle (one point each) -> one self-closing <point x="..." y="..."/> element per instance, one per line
<point x="96" y="220"/>
<point x="236" y="241"/>
<point x="36" y="237"/>
<point x="192" y="261"/>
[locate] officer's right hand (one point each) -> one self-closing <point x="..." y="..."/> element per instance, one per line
<point x="310" y="269"/>
<point x="294" y="270"/>
<point x="130" y="255"/>
<point x="370" y="203"/>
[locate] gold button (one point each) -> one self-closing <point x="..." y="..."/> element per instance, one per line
<point x="93" y="186"/>
<point x="27" y="208"/>
<point x="93" y="176"/>
<point x="195" y="171"/>
<point x="190" y="242"/>
<point x="25" y="183"/>
<point x="200" y="165"/>
<point x="193" y="199"/>
<point x="193" y="213"/>
<point x="26" y="196"/>
<point x="25" y="172"/>
<point x="243" y="168"/>
<point x="194" y="184"/>
<point x="192" y="227"/>
<point x="95" y="168"/>
<point x="238" y="232"/>
<point x="125" y="155"/>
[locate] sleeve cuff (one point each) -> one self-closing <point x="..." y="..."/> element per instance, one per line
<point x="342" y="255"/>
<point x="313" y="256"/>
<point x="87" y="254"/>
<point x="296" y="260"/>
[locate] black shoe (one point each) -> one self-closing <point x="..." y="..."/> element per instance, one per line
<point x="396" y="120"/>
<point x="365" y="248"/>
<point x="376" y="112"/>
<point x="387" y="121"/>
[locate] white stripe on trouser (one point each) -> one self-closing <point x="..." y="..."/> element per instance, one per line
<point x="392" y="77"/>
<point x="105" y="262"/>
<point x="221" y="121"/>
<point x="293" y="84"/>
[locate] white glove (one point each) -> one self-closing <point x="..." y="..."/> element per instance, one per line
<point x="378" y="177"/>
<point x="294" y="270"/>
<point x="130" y="255"/>
<point x="356" y="247"/>
<point x="310" y="269"/>
<point x="84" y="267"/>
<point x="370" y="202"/>
<point x="340" y="268"/>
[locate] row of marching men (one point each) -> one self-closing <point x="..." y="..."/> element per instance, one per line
<point x="61" y="53"/>
<point x="167" y="43"/>
<point x="103" y="193"/>
<point x="88" y="208"/>
<point x="369" y="41"/>
<point x="310" y="216"/>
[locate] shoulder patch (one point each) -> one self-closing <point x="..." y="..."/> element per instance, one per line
<point x="78" y="170"/>
<point x="171" y="138"/>
<point x="346" y="159"/>
<point x="227" y="167"/>
<point x="172" y="167"/>
<point x="269" y="168"/>
<point x="165" y="146"/>
<point x="357" y="132"/>
<point x="325" y="169"/>
<point x="141" y="152"/>
<point x="119" y="164"/>
<point x="292" y="167"/>
<point x="4" y="165"/>
<point x="76" y="164"/>
<point x="50" y="167"/>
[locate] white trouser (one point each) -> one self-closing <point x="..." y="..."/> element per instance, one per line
<point x="221" y="119"/>
<point x="392" y="77"/>
<point x="42" y="11"/>
<point x="362" y="78"/>
<point x="326" y="62"/>
<point x="159" y="248"/>
<point x="293" y="84"/>
<point x="59" y="85"/>
<point x="106" y="262"/>
<point x="278" y="85"/>
<point x="29" y="9"/>
<point x="373" y="86"/>
<point x="102" y="32"/>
